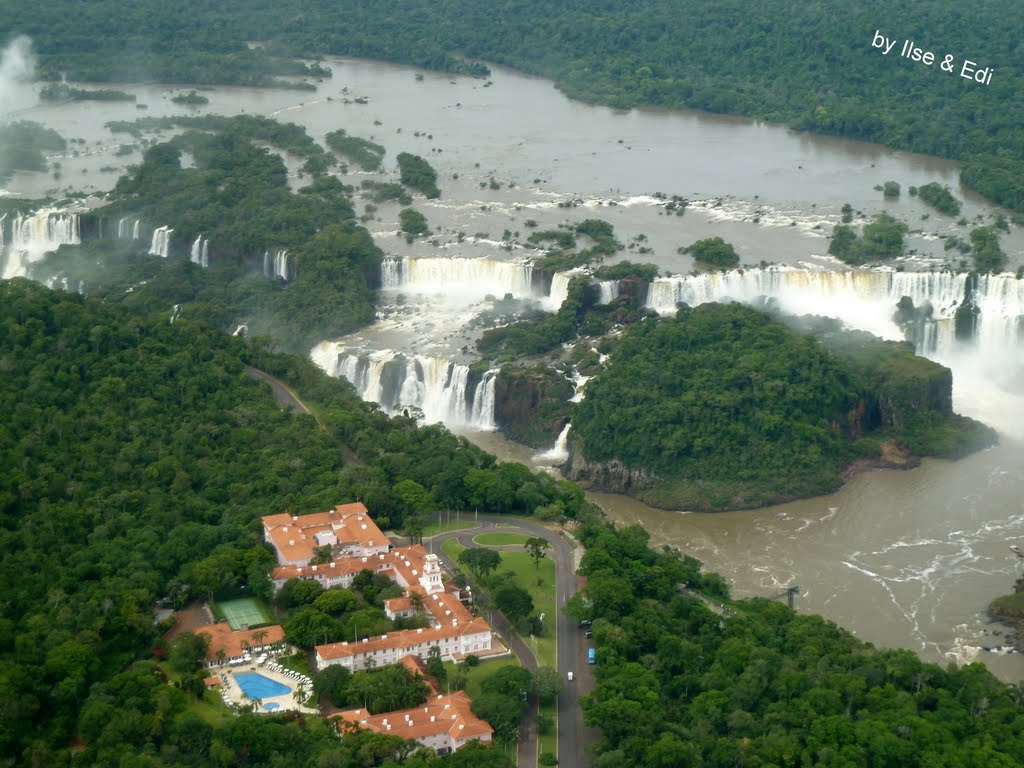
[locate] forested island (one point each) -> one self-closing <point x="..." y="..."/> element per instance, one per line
<point x="799" y="67"/>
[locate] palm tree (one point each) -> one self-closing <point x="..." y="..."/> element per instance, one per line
<point x="258" y="636"/>
<point x="416" y="602"/>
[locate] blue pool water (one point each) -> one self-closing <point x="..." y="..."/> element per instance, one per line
<point x="256" y="686"/>
<point x="271" y="706"/>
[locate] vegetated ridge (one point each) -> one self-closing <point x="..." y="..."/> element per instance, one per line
<point x="722" y="407"/>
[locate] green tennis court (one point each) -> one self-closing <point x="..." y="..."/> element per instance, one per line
<point x="247" y="611"/>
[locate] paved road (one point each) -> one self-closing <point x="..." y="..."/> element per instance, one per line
<point x="289" y="400"/>
<point x="572" y="736"/>
<point x="285" y="396"/>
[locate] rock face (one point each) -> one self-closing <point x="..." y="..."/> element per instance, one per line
<point x="531" y="405"/>
<point x="635" y="287"/>
<point x="612" y="476"/>
<point x="928" y="388"/>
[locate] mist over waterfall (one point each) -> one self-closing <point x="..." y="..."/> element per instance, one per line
<point x="458" y="277"/>
<point x="200" y="253"/>
<point x="17" y="71"/>
<point x="275" y="263"/>
<point x="26" y="238"/>
<point x="559" y="453"/>
<point x="436" y="386"/>
<point x="161" y="244"/>
<point x="866" y="300"/>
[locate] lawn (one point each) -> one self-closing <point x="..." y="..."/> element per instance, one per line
<point x="524" y="574"/>
<point x="493" y="539"/>
<point x="435" y="526"/>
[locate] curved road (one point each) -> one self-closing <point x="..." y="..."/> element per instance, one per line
<point x="571" y="646"/>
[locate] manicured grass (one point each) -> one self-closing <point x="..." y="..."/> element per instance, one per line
<point x="548" y="742"/>
<point x="435" y="527"/>
<point x="476" y="675"/>
<point x="524" y="574"/>
<point x="498" y="538"/>
<point x="297" y="663"/>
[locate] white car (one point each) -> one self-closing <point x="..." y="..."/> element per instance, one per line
<point x="570" y="677"/>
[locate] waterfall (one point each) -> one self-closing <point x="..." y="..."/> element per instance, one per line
<point x="559" y="453"/>
<point x="391" y="272"/>
<point x="866" y="300"/>
<point x="128" y="229"/>
<point x="458" y="277"/>
<point x="200" y="253"/>
<point x="609" y="291"/>
<point x="560" y="288"/>
<point x="26" y="238"/>
<point x="161" y="244"/>
<point x="482" y="416"/>
<point x="435" y="386"/>
<point x="275" y="264"/>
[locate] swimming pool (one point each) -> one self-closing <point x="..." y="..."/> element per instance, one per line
<point x="256" y="686"/>
<point x="271" y="706"/>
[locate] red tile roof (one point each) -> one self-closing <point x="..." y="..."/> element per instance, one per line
<point x="294" y="537"/>
<point x="442" y="714"/>
<point x="231" y="642"/>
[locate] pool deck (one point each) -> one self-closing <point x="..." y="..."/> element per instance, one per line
<point x="284" y="702"/>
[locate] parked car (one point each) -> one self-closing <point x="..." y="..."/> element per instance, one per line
<point x="570" y="677"/>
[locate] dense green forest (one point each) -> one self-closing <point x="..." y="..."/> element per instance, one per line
<point x="138" y="469"/>
<point x="810" y="66"/>
<point x="235" y="195"/>
<point x="722" y="407"/>
<point x="755" y="684"/>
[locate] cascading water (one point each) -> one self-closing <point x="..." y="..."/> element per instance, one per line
<point x="609" y="291"/>
<point x="275" y="264"/>
<point x="458" y="277"/>
<point x="161" y="244"/>
<point x="560" y="288"/>
<point x="863" y="300"/>
<point x="26" y="238"/>
<point x="436" y="386"/>
<point x="200" y="253"/>
<point x="559" y="453"/>
<point x="867" y="300"/>
<point x="482" y="415"/>
<point x="128" y="229"/>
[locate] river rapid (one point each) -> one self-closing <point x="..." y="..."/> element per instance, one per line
<point x="903" y="559"/>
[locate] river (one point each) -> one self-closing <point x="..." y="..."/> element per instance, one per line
<point x="903" y="559"/>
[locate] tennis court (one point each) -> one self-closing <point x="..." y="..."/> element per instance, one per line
<point x="246" y="610"/>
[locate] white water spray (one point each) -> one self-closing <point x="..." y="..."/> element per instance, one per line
<point x="17" y="71"/>
<point x="275" y="263"/>
<point x="26" y="238"/>
<point x="161" y="244"/>
<point x="434" y="386"/>
<point x="200" y="253"/>
<point x="458" y="278"/>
